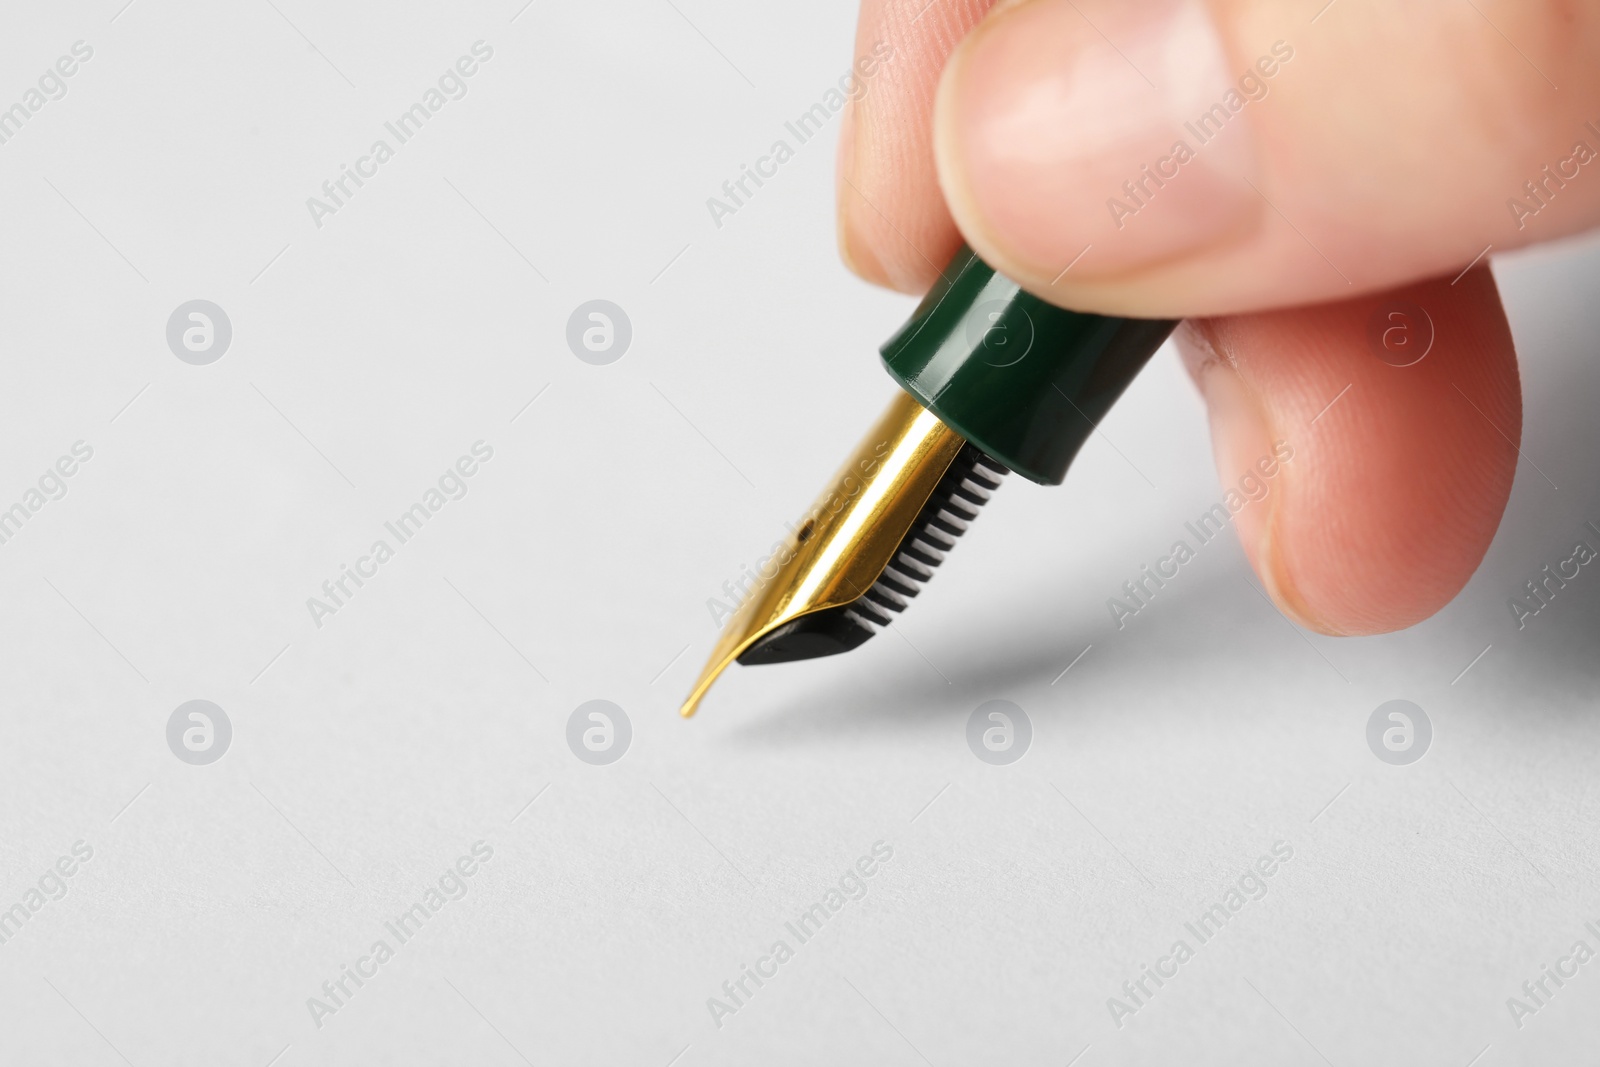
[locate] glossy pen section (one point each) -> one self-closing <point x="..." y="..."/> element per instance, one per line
<point x="1022" y="379"/>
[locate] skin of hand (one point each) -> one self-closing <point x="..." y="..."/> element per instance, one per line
<point x="1336" y="164"/>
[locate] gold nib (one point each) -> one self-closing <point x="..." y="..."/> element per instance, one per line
<point x="850" y="534"/>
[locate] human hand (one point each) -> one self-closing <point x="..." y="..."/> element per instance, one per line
<point x="1338" y="162"/>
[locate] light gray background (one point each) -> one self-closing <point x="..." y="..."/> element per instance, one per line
<point x="368" y="754"/>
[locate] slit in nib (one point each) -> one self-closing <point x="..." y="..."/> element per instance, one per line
<point x="965" y="487"/>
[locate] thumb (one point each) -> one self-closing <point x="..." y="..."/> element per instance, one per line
<point x="1184" y="157"/>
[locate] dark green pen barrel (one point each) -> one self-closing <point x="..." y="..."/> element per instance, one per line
<point x="1022" y="379"/>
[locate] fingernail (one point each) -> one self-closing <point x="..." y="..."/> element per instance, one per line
<point x="1057" y="134"/>
<point x="1255" y="469"/>
<point x="1240" y="438"/>
<point x="856" y="218"/>
<point x="844" y="211"/>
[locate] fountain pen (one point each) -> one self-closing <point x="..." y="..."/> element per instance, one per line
<point x="993" y="380"/>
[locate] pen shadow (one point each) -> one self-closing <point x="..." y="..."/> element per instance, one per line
<point x="901" y="691"/>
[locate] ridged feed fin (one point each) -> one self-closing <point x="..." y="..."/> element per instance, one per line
<point x="965" y="487"/>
